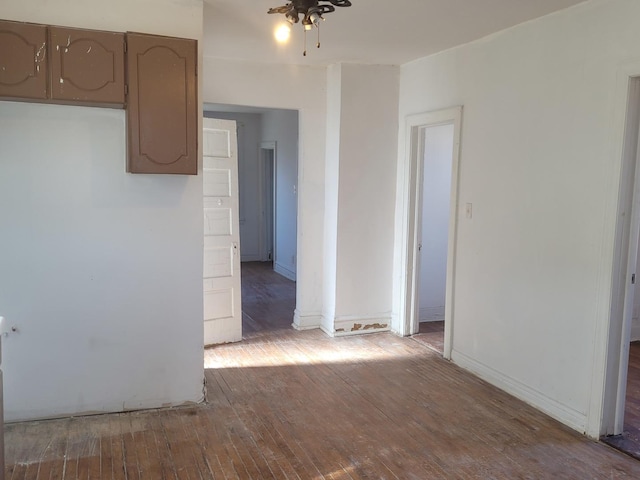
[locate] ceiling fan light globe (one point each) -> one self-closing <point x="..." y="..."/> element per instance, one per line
<point x="315" y="18"/>
<point x="283" y="32"/>
<point x="292" y="18"/>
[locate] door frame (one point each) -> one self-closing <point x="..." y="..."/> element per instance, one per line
<point x="609" y="419"/>
<point x="408" y="211"/>
<point x="267" y="146"/>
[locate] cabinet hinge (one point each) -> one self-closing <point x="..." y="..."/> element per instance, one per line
<point x="126" y="89"/>
<point x="125" y="46"/>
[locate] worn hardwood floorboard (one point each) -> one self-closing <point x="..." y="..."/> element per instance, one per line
<point x="431" y="334"/>
<point x="299" y="405"/>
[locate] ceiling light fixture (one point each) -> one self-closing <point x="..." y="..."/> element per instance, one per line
<point x="311" y="12"/>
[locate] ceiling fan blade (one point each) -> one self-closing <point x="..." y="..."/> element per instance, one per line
<point x="339" y="3"/>
<point x="284" y="9"/>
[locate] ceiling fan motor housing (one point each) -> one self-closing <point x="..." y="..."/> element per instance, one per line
<point x="306" y="8"/>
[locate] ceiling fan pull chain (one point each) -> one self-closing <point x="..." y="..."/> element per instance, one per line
<point x="304" y="54"/>
<point x="318" y="45"/>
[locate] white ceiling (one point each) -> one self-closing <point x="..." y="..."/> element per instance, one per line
<point x="371" y="31"/>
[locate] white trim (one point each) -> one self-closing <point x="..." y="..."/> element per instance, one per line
<point x="326" y="331"/>
<point x="565" y="414"/>
<point x="613" y="328"/>
<point x="261" y="194"/>
<point x="306" y="320"/>
<point x="284" y="271"/>
<point x="404" y="318"/>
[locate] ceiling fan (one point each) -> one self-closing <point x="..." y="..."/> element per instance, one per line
<point x="311" y="12"/>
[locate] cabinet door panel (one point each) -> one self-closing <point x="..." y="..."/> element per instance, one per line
<point x="162" y="105"/>
<point x="23" y="60"/>
<point x="87" y="66"/>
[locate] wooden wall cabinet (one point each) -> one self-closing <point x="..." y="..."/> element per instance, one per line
<point x="162" y="105"/>
<point x="23" y="60"/>
<point x="87" y="66"/>
<point x="95" y="68"/>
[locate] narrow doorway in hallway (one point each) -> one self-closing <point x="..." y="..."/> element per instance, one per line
<point x="268" y="210"/>
<point x="437" y="143"/>
<point x="428" y="218"/>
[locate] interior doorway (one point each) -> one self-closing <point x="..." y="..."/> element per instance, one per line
<point x="268" y="149"/>
<point x="427" y="257"/>
<point x="436" y="152"/>
<point x="268" y="193"/>
<point x="621" y="419"/>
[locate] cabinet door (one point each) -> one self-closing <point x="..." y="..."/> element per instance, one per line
<point x="162" y="105"/>
<point x="87" y="66"/>
<point x="23" y="60"/>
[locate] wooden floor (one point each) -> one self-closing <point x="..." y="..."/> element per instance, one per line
<point x="431" y="334"/>
<point x="268" y="301"/>
<point x="300" y="405"/>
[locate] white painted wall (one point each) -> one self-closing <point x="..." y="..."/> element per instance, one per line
<point x="332" y="178"/>
<point x="101" y="270"/>
<point x="540" y="162"/>
<point x="436" y="196"/>
<point x="281" y="126"/>
<point x="301" y="88"/>
<point x="176" y="18"/>
<point x="249" y="126"/>
<point x="365" y="140"/>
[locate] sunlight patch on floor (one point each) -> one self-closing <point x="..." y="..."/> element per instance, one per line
<point x="227" y="356"/>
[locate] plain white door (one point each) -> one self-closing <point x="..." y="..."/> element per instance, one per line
<point x="221" y="269"/>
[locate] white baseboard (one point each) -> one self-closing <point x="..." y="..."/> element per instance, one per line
<point x="563" y="413"/>
<point x="327" y="331"/>
<point x="306" y="320"/>
<point x="284" y="271"/>
<point x="250" y="257"/>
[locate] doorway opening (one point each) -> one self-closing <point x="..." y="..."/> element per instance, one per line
<point x="267" y="165"/>
<point x="436" y="157"/>
<point x="427" y="256"/>
<point x="268" y="214"/>
<point x="621" y="418"/>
